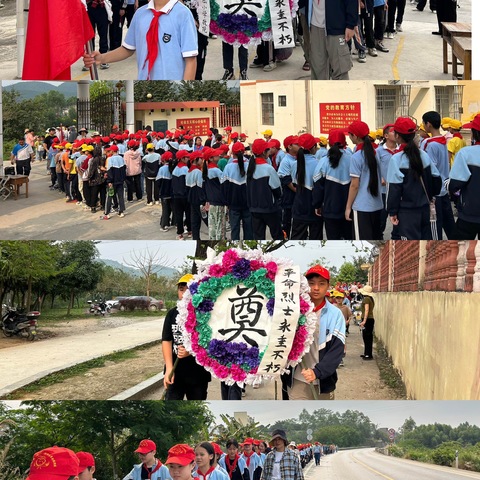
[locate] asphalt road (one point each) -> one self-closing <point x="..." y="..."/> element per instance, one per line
<point x="415" y="54"/>
<point x="366" y="464"/>
<point x="24" y="364"/>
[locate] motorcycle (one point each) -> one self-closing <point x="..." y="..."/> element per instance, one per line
<point x="16" y="322"/>
<point x="100" y="308"/>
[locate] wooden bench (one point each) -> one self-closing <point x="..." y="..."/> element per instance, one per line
<point x="16" y="181"/>
<point x="462" y="52"/>
<point x="450" y="30"/>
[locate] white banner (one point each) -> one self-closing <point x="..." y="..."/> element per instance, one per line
<point x="284" y="321"/>
<point x="282" y="27"/>
<point x="203" y="11"/>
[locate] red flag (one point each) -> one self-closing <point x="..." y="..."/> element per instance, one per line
<point x="57" y="32"/>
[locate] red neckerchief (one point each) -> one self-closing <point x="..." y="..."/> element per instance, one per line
<point x="440" y="139"/>
<point x="157" y="467"/>
<point x="319" y="307"/>
<point x="194" y="167"/>
<point x="401" y="147"/>
<point x="231" y="466"/>
<point x="212" y="165"/>
<point x="180" y="164"/>
<point x="361" y="145"/>
<point x="260" y="161"/>
<point x="248" y="457"/>
<point x="152" y="41"/>
<point x="209" y="471"/>
<point x="273" y="158"/>
<point x="458" y="135"/>
<point x="388" y="150"/>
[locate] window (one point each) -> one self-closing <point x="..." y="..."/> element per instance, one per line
<point x="448" y="100"/>
<point x="267" y="108"/>
<point x="282" y="100"/>
<point x="392" y="101"/>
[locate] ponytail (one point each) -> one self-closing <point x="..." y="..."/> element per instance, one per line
<point x="171" y="165"/>
<point x="205" y="171"/>
<point x="241" y="164"/>
<point x="371" y="160"/>
<point x="335" y="154"/>
<point x="252" y="165"/>
<point x="413" y="153"/>
<point x="301" y="167"/>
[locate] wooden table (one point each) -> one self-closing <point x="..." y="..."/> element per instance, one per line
<point x="450" y="30"/>
<point x="17" y="181"/>
<point x="462" y="52"/>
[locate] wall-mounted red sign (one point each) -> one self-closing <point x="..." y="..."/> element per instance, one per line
<point x="338" y="115"/>
<point x="199" y="126"/>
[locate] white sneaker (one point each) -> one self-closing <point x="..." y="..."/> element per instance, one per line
<point x="373" y="52"/>
<point x="157" y="203"/>
<point x="398" y="27"/>
<point x="390" y="35"/>
<point x="271" y="66"/>
<point x="149" y="204"/>
<point x="121" y="215"/>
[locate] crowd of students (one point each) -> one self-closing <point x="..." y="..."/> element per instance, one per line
<point x="250" y="460"/>
<point x="408" y="174"/>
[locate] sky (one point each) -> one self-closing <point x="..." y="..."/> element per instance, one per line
<point x="383" y="413"/>
<point x="175" y="252"/>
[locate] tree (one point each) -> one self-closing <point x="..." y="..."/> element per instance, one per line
<point x="347" y="273"/>
<point x="210" y="90"/>
<point x="165" y="91"/>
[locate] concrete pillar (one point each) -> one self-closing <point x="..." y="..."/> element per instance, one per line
<point x="476" y="275"/>
<point x="422" y="258"/>
<point x="462" y="265"/>
<point x="130" y="106"/>
<point x="391" y="266"/>
<point x="83" y="95"/>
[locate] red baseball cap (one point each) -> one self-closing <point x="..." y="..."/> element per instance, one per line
<point x="244" y="135"/>
<point x="112" y="148"/>
<point x="388" y="125"/>
<point x="337" y="136"/>
<point x="167" y="156"/>
<point x="216" y="448"/>
<point x="318" y="270"/>
<point x="86" y="460"/>
<point x="54" y="463"/>
<point x="146" y="446"/>
<point x="405" y="125"/>
<point x="475" y="123"/>
<point x="182" y="153"/>
<point x="259" y="146"/>
<point x="248" y="441"/>
<point x="228" y="129"/>
<point x="290" y="140"/>
<point x="234" y="135"/>
<point x="207" y="152"/>
<point x="182" y="454"/>
<point x="223" y="147"/>
<point x="238" y="147"/>
<point x="307" y="141"/>
<point x="359" y="128"/>
<point x="273" y="143"/>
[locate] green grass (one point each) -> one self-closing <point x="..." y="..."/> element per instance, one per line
<point x="80" y="369"/>
<point x="60" y="314"/>
<point x="388" y="373"/>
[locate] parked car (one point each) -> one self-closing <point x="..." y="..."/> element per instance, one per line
<point x="114" y="303"/>
<point x="140" y="302"/>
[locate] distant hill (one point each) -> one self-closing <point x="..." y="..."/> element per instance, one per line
<point x="159" y="270"/>
<point x="29" y="90"/>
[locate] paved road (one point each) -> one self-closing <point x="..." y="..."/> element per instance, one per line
<point x="414" y="54"/>
<point x="366" y="464"/>
<point x="24" y="364"/>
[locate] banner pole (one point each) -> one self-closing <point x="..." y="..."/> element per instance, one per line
<point x="93" y="68"/>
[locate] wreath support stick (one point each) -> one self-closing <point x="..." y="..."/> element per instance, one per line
<point x="169" y="378"/>
<point x="312" y="387"/>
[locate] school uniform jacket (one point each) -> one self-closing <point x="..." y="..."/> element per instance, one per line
<point x="164" y="178"/>
<point x="264" y="189"/>
<point x="339" y="15"/>
<point x="241" y="471"/>
<point x="195" y="187"/>
<point x="234" y="186"/>
<point x="254" y="465"/>
<point x="151" y="165"/>
<point x="136" y="474"/>
<point x="213" y="189"/>
<point x="465" y="177"/>
<point x="405" y="190"/>
<point x="179" y="189"/>
<point x="285" y="174"/>
<point x="116" y="170"/>
<point x="331" y="186"/>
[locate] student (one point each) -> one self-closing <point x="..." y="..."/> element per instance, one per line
<point x="234" y="188"/>
<point x="263" y="194"/>
<point x="150" y="467"/>
<point x="464" y="184"/>
<point x="413" y="181"/>
<point x="331" y="185"/>
<point x="327" y="349"/>
<point x="116" y="175"/>
<point x="189" y="380"/>
<point x="54" y="463"/>
<point x="364" y="196"/>
<point x="151" y="165"/>
<point x="164" y="182"/>
<point x="436" y="148"/>
<point x="205" y="461"/>
<point x="181" y="462"/>
<point x="86" y="468"/>
<point x="196" y="196"/>
<point x="179" y="196"/>
<point x="252" y="460"/>
<point x="285" y="170"/>
<point x="232" y="462"/>
<point x="213" y="191"/>
<point x="306" y="224"/>
<point x="165" y="37"/>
